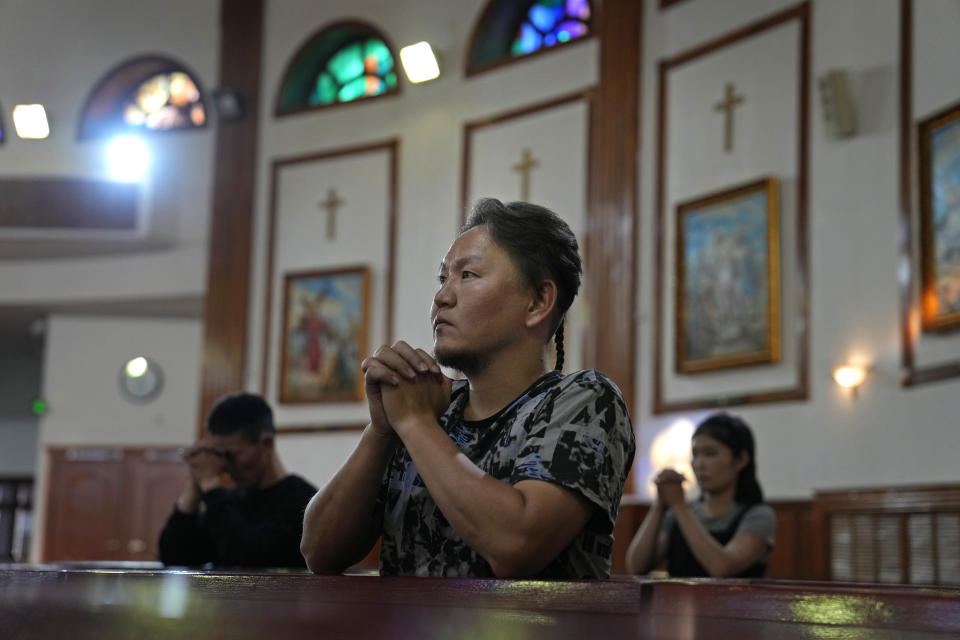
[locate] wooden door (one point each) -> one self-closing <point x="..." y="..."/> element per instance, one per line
<point x="84" y="490"/>
<point x="155" y="478"/>
<point x="109" y="503"/>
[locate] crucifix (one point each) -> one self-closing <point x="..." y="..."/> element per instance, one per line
<point x="331" y="204"/>
<point x="524" y="167"/>
<point x="727" y="105"/>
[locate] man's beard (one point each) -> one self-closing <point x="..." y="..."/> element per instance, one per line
<point x="468" y="363"/>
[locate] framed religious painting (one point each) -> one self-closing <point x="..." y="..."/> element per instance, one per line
<point x="324" y="336"/>
<point x="728" y="278"/>
<point x="939" y="139"/>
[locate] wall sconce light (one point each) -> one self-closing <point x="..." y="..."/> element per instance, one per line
<point x="850" y="376"/>
<point x="419" y="63"/>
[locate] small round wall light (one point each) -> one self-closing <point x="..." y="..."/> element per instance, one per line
<point x="141" y="379"/>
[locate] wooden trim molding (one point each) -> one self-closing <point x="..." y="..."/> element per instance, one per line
<point x="469" y="128"/>
<point x="912" y="373"/>
<point x="231" y="222"/>
<point x="801" y="13"/>
<point x="392" y="148"/>
<point x="613" y="168"/>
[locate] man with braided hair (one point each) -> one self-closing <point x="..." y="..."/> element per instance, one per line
<point x="515" y="471"/>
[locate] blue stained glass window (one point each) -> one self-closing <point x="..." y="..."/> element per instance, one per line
<point x="549" y="22"/>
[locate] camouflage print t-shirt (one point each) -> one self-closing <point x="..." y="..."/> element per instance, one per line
<point x="572" y="430"/>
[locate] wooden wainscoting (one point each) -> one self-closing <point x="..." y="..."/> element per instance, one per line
<point x="906" y="535"/>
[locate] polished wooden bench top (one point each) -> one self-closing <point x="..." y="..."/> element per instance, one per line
<point x="102" y="602"/>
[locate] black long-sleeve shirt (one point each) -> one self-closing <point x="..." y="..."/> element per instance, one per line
<point x="241" y="528"/>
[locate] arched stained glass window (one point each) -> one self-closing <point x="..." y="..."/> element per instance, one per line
<point x="165" y="101"/>
<point x="551" y="22"/>
<point x="152" y="93"/>
<point x="510" y="29"/>
<point x="341" y="63"/>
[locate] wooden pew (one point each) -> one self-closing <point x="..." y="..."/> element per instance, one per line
<point x="49" y="601"/>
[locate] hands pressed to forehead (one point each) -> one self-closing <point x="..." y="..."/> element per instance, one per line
<point x="206" y="462"/>
<point x="202" y="447"/>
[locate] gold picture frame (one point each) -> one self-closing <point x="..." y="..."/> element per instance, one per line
<point x="728" y="278"/>
<point x="324" y="335"/>
<point x="939" y="163"/>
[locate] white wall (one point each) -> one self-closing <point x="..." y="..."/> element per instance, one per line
<point x="81" y="383"/>
<point x="54" y="53"/>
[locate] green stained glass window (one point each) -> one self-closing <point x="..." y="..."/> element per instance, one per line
<point x="343" y="62"/>
<point x="361" y="69"/>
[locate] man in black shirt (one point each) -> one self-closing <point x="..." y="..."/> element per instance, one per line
<point x="257" y="523"/>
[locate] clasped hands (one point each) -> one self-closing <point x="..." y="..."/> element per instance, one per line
<point x="405" y="387"/>
<point x="207" y="464"/>
<point x="669" y="483"/>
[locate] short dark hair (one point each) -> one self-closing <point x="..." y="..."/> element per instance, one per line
<point x="733" y="433"/>
<point x="542" y="246"/>
<point x="241" y="412"/>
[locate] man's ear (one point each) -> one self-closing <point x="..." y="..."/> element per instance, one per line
<point x="268" y="440"/>
<point x="542" y="303"/>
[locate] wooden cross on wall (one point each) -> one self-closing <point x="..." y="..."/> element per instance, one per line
<point x="527" y="164"/>
<point x="330" y="205"/>
<point x="727" y="105"/>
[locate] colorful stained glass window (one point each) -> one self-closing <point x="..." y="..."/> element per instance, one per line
<point x="360" y="69"/>
<point x="551" y="22"/>
<point x="147" y="93"/>
<point x="343" y="62"/>
<point x="165" y="101"/>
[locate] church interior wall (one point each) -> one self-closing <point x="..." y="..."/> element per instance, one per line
<point x="62" y="50"/>
<point x="885" y="435"/>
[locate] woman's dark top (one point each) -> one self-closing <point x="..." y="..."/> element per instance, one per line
<point x="680" y="559"/>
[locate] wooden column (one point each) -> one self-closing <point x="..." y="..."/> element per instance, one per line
<point x="612" y="196"/>
<point x="228" y="273"/>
